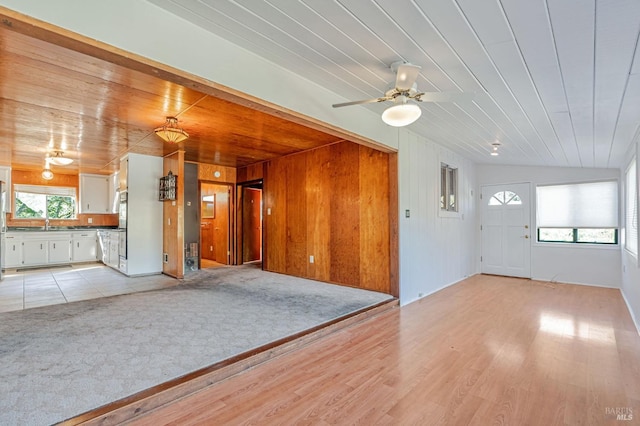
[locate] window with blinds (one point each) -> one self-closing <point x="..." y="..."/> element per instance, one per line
<point x="44" y="202"/>
<point x="631" y="209"/>
<point x="578" y="213"/>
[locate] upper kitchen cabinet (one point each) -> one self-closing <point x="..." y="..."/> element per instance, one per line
<point x="95" y="194"/>
<point x="5" y="176"/>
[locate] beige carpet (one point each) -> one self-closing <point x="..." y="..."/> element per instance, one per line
<point x="59" y="361"/>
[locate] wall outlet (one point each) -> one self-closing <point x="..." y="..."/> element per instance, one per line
<point x="269" y="211"/>
<point x="420" y="294"/>
<point x="311" y="259"/>
<point x="165" y="257"/>
<point x="90" y="220"/>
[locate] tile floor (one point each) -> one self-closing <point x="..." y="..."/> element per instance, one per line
<point x="50" y="286"/>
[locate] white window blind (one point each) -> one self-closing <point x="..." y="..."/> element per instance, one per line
<point x="631" y="209"/>
<point x="581" y="205"/>
<point x="64" y="191"/>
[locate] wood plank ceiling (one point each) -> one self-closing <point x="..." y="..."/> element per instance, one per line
<point x="556" y="82"/>
<point x="54" y="98"/>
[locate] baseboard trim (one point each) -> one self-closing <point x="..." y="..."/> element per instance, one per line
<point x="636" y="322"/>
<point x="138" y="404"/>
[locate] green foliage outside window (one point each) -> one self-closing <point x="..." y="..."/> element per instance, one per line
<point x="42" y="206"/>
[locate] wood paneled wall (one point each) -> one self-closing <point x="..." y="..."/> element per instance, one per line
<point x="208" y="172"/>
<point x="31" y="177"/>
<point x="335" y="204"/>
<point x="173" y="219"/>
<point x="251" y="173"/>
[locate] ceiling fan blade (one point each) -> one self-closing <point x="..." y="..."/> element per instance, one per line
<point x="406" y="75"/>
<point x="444" y="97"/>
<point x="368" y="101"/>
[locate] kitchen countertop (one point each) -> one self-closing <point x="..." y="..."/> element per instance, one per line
<point x="59" y="228"/>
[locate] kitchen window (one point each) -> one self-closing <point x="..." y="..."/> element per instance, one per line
<point x="44" y="202"/>
<point x="578" y="213"/>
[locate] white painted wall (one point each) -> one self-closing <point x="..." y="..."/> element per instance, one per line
<point x="630" y="264"/>
<point x="435" y="251"/>
<point x="143" y="28"/>
<point x="568" y="263"/>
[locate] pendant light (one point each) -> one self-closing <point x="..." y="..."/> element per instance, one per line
<point x="47" y="174"/>
<point x="170" y="132"/>
<point x="59" y="159"/>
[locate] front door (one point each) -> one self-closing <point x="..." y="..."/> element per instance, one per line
<point x="506" y="230"/>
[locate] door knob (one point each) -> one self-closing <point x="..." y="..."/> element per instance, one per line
<point x="526" y="236"/>
<point x="526" y="227"/>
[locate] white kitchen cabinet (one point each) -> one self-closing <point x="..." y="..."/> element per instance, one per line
<point x="5" y="176"/>
<point x="34" y="252"/>
<point x="114" y="193"/>
<point x="84" y="247"/>
<point x="12" y="251"/>
<point x="94" y="194"/>
<point x="59" y="250"/>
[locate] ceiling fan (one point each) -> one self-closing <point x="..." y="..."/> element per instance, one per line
<point x="404" y="89"/>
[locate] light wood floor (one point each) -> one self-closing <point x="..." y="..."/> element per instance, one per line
<point x="489" y="350"/>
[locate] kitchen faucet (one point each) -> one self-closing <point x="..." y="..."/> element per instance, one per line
<point x="46" y="224"/>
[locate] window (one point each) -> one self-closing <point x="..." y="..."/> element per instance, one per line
<point x="505" y="197"/>
<point x="578" y="213"/>
<point x="44" y="202"/>
<point x="448" y="188"/>
<point x="631" y="211"/>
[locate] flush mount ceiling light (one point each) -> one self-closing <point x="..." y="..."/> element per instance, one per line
<point x="47" y="174"/>
<point x="495" y="152"/>
<point x="170" y="132"/>
<point x="59" y="159"/>
<point x="402" y="113"/>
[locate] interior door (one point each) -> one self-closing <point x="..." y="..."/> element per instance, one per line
<point x="206" y="238"/>
<point x="506" y="229"/>
<point x="251" y="224"/>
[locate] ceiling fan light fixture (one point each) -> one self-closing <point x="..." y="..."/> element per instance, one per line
<point x="170" y="132"/>
<point x="401" y="114"/>
<point x="59" y="159"/>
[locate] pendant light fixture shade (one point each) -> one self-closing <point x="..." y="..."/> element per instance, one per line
<point x="402" y="113"/>
<point x="47" y="174"/>
<point x="59" y="159"/>
<point x="170" y="132"/>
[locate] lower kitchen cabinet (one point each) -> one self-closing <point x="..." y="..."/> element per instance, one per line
<point x="59" y="250"/>
<point x="12" y="251"/>
<point x="84" y="247"/>
<point x="34" y="252"/>
<point x="49" y="247"/>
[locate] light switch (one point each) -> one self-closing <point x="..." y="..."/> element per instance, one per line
<point x="407" y="213"/>
<point x="269" y="211"/>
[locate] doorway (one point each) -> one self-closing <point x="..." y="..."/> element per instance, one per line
<point x="506" y="233"/>
<point x="251" y="223"/>
<point x="214" y="224"/>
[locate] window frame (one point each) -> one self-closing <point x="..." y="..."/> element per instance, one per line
<point x="575" y="229"/>
<point x="616" y="237"/>
<point x="444" y="188"/>
<point x="635" y="200"/>
<point x="46" y="191"/>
